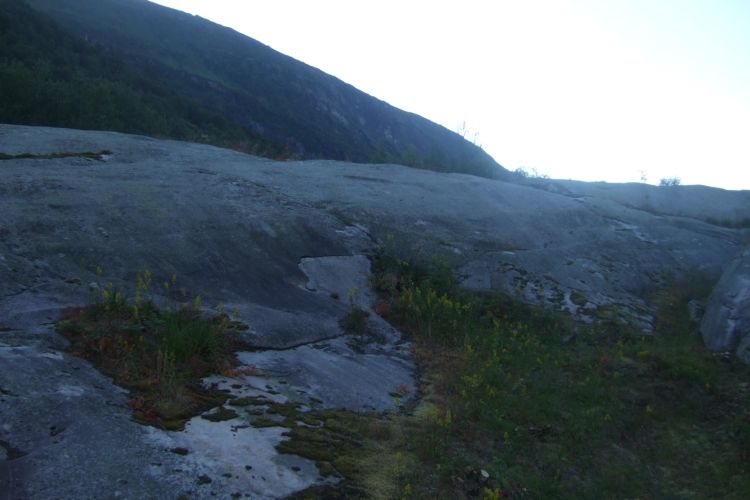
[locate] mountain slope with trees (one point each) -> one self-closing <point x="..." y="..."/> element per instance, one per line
<point x="49" y="76"/>
<point x="140" y="67"/>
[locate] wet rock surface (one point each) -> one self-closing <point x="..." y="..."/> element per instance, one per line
<point x="71" y="431"/>
<point x="285" y="244"/>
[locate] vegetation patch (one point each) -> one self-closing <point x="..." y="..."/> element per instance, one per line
<point x="10" y="452"/>
<point x="729" y="223"/>
<point x="249" y="401"/>
<point x="265" y="422"/>
<point x="356" y="321"/>
<point x="159" y="354"/>
<point x="333" y="440"/>
<point x="91" y="155"/>
<point x="578" y="298"/>
<point x="51" y="76"/>
<point x="524" y="403"/>
<point x="220" y="415"/>
<point x="518" y="402"/>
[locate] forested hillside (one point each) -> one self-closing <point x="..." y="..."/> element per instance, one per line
<point x="134" y="66"/>
<point x="51" y="77"/>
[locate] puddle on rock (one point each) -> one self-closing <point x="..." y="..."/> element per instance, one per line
<point x="239" y="457"/>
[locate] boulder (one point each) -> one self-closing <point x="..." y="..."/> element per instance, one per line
<point x="726" y="322"/>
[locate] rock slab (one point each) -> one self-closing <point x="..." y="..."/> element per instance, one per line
<point x="285" y="244"/>
<point x="726" y="322"/>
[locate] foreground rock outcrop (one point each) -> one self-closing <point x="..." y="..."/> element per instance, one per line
<point x="726" y="322"/>
<point x="285" y="244"/>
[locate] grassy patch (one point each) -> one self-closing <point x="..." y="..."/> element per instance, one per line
<point x="523" y="403"/>
<point x="342" y="444"/>
<point x="516" y="402"/>
<point x="160" y="355"/>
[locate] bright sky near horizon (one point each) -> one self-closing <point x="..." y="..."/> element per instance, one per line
<point x="613" y="90"/>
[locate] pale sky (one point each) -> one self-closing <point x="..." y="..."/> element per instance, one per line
<point x="576" y="89"/>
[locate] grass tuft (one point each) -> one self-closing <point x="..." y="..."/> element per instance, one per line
<point x="160" y="355"/>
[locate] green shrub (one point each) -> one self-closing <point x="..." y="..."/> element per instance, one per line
<point x="110" y="304"/>
<point x="356" y="321"/>
<point x="670" y="182"/>
<point x="439" y="318"/>
<point x="185" y="334"/>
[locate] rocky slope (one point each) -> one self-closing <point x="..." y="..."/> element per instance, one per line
<point x="726" y="323"/>
<point x="285" y="243"/>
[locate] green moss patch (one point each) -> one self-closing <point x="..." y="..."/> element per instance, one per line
<point x="330" y="438"/>
<point x="221" y="415"/>
<point x="249" y="401"/>
<point x="265" y="422"/>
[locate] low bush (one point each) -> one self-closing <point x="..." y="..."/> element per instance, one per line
<point x="356" y="321"/>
